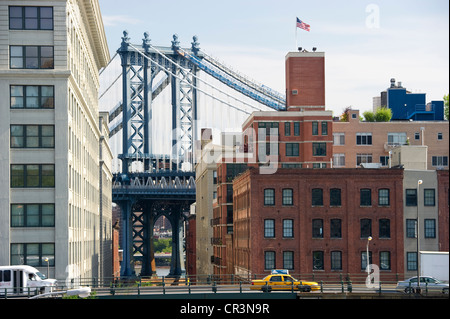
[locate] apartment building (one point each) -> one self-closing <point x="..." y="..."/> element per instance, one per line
<point x="318" y="221"/>
<point x="356" y="142"/>
<point x="55" y="202"/>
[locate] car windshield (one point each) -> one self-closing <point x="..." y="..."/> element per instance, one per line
<point x="40" y="275"/>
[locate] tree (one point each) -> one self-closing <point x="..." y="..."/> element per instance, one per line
<point x="369" y="116"/>
<point x="446" y="115"/>
<point x="383" y="114"/>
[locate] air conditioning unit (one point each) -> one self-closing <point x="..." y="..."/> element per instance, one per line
<point x="294" y="92"/>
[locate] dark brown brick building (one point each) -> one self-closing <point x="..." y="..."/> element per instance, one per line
<point x="443" y="206"/>
<point x="318" y="221"/>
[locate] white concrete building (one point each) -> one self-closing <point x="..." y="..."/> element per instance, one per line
<point x="55" y="181"/>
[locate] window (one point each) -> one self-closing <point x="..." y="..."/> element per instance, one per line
<point x="269" y="260"/>
<point x="30" y="18"/>
<point x="32" y="97"/>
<point x="411" y="225"/>
<point x="384" y="160"/>
<point x="411" y="197"/>
<point x="235" y="169"/>
<point x="366" y="228"/>
<point x="439" y="136"/>
<point x="430" y="228"/>
<point x="363" y="138"/>
<point x="32" y="215"/>
<point x="365" y="196"/>
<point x="315" y="128"/>
<point x="383" y="197"/>
<point x="363" y="158"/>
<point x="339" y="138"/>
<point x="317" y="228"/>
<point x="296" y="128"/>
<point x="269" y="197"/>
<point x="439" y="161"/>
<point x="411" y="260"/>
<point x="269" y="228"/>
<point x="33" y="254"/>
<point x="32" y="136"/>
<point x="288" y="260"/>
<point x="385" y="228"/>
<point x="339" y="160"/>
<point x="335" y="197"/>
<point x="287" y="197"/>
<point x="428" y="197"/>
<point x="31" y="57"/>
<point x="319" y="149"/>
<point x="324" y="128"/>
<point x="292" y="149"/>
<point x="317" y="197"/>
<point x="318" y="260"/>
<point x="397" y="138"/>
<point x="336" y="260"/>
<point x="417" y="136"/>
<point x="385" y="260"/>
<point x="288" y="228"/>
<point x="267" y="129"/>
<point x="32" y="175"/>
<point x="287" y="129"/>
<point x="335" y="228"/>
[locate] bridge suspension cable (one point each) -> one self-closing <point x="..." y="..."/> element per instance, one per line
<point x="198" y="78"/>
<point x="245" y="79"/>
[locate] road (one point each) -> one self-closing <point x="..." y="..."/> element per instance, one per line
<point x="236" y="289"/>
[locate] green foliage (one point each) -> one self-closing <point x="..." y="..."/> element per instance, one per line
<point x="162" y="245"/>
<point x="382" y="114"/>
<point x="369" y="116"/>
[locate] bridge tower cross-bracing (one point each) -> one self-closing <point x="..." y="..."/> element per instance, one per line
<point x="166" y="184"/>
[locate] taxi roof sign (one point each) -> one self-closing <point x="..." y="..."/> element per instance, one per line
<point x="280" y="272"/>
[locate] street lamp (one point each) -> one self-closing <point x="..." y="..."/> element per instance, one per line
<point x="367" y="255"/>
<point x="48" y="266"/>
<point x="419" y="182"/>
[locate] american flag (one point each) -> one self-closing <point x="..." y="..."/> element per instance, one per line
<point x="302" y="25"/>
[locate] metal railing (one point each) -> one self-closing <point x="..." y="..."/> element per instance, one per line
<point x="156" y="285"/>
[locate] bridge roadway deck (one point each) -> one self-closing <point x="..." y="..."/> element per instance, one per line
<point x="180" y="290"/>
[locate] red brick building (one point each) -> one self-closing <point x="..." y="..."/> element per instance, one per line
<point x="305" y="79"/>
<point x="443" y="207"/>
<point x="318" y="221"/>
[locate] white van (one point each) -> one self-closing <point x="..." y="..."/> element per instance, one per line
<point x="23" y="280"/>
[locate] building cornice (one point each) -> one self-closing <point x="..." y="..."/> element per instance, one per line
<point x="96" y="31"/>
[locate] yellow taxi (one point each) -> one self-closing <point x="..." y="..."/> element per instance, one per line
<point x="281" y="280"/>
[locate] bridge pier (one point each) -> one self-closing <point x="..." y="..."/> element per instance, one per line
<point x="127" y="265"/>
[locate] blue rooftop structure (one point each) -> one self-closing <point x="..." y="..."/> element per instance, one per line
<point x="411" y="106"/>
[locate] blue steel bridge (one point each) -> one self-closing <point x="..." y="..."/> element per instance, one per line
<point x="158" y="99"/>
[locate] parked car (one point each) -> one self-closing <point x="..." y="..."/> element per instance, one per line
<point x="426" y="283"/>
<point x="283" y="281"/>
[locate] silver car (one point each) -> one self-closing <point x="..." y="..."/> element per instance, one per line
<point x="427" y="283"/>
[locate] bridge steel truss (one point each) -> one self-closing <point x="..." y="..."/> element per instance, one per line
<point x="167" y="184"/>
<point x="165" y="187"/>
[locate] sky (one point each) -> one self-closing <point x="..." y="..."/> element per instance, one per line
<point x="366" y="43"/>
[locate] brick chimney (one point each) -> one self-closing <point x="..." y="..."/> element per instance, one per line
<point x="305" y="81"/>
